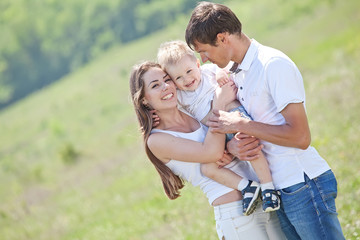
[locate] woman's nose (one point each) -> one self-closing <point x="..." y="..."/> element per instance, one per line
<point x="165" y="86"/>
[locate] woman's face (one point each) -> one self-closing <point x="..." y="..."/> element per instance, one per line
<point x="160" y="90"/>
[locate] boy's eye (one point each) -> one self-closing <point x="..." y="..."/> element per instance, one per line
<point x="188" y="71"/>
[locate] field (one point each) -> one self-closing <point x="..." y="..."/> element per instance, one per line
<point x="72" y="164"/>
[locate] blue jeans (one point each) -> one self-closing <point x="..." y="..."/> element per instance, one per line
<point x="243" y="113"/>
<point x="308" y="209"/>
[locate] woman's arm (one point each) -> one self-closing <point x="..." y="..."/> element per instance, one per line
<point x="166" y="147"/>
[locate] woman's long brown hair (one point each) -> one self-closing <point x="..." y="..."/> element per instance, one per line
<point x="171" y="182"/>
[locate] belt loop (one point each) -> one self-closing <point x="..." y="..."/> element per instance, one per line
<point x="217" y="212"/>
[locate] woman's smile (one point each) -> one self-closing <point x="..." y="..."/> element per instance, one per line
<point x="168" y="96"/>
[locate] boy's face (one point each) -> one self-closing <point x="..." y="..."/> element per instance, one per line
<point x="185" y="74"/>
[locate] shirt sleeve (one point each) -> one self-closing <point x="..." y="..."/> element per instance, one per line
<point x="285" y="82"/>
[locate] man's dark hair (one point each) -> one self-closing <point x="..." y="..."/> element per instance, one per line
<point x="207" y="20"/>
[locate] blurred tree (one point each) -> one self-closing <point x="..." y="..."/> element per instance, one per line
<point x="45" y="39"/>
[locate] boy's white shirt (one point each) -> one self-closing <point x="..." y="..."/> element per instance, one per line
<point x="198" y="102"/>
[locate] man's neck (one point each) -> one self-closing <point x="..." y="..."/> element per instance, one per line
<point x="240" y="45"/>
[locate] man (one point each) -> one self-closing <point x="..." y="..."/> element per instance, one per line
<point x="271" y="89"/>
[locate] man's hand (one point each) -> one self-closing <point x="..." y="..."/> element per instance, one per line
<point x="244" y="147"/>
<point x="225" y="160"/>
<point x="225" y="122"/>
<point x="155" y="117"/>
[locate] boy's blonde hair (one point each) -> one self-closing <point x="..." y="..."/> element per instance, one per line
<point x="172" y="52"/>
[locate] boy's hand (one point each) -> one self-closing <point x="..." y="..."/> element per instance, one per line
<point x="225" y="94"/>
<point x="222" y="77"/>
<point x="155" y="117"/>
<point x="225" y="160"/>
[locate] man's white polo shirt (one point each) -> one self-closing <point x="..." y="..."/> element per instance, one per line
<point x="267" y="83"/>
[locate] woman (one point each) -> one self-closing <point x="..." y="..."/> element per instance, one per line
<point x="181" y="137"/>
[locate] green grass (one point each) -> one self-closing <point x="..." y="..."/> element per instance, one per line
<point x="109" y="190"/>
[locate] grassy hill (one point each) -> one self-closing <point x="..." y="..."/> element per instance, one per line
<point x="71" y="160"/>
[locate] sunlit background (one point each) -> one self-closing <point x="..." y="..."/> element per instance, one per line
<point x="72" y="164"/>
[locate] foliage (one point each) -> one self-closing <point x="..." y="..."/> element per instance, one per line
<point x="46" y="39"/>
<point x="68" y="153"/>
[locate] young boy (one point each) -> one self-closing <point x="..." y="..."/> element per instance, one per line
<point x="196" y="87"/>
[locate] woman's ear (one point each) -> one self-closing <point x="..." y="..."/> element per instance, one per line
<point x="144" y="101"/>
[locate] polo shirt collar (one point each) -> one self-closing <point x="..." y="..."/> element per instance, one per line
<point x="250" y="55"/>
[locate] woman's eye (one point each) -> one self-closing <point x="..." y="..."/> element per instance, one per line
<point x="155" y="85"/>
<point x="167" y="80"/>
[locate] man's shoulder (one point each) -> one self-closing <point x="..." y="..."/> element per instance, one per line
<point x="268" y="54"/>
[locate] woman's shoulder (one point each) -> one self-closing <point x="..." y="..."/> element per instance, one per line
<point x="158" y="144"/>
<point x="158" y="136"/>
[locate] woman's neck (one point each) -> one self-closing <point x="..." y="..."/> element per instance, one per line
<point x="175" y="120"/>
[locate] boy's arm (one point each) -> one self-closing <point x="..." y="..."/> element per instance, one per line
<point x="222" y="77"/>
<point x="222" y="97"/>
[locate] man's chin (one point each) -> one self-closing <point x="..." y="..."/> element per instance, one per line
<point x="221" y="65"/>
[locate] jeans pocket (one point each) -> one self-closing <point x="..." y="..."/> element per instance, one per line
<point x="294" y="189"/>
<point x="294" y="197"/>
<point x="327" y="185"/>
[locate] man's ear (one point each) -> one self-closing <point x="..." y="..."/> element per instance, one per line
<point x="222" y="37"/>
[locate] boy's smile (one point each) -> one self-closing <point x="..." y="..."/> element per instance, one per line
<point x="185" y="73"/>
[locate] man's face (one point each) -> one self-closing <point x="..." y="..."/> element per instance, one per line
<point x="218" y="54"/>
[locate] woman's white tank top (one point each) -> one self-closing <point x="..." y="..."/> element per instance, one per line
<point x="190" y="171"/>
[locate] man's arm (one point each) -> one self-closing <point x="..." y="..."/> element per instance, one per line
<point x="244" y="147"/>
<point x="294" y="133"/>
